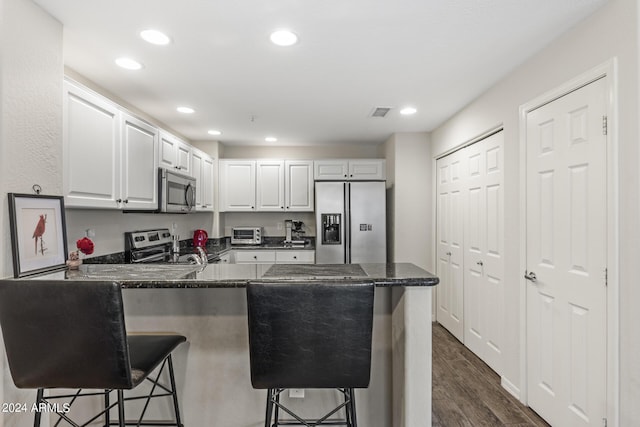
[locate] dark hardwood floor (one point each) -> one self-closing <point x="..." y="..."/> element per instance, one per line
<point x="466" y="392"/>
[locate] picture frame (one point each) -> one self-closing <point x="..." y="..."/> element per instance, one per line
<point x="38" y="233"/>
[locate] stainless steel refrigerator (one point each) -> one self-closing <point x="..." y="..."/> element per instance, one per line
<point x="351" y="222"/>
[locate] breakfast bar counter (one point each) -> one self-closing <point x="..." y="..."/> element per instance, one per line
<point x="207" y="304"/>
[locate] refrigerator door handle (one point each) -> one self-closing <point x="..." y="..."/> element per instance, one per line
<point x="347" y="223"/>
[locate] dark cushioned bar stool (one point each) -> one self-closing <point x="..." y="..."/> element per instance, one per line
<point x="72" y="335"/>
<point x="309" y="336"/>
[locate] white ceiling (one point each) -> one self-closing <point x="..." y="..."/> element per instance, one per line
<point x="354" y="55"/>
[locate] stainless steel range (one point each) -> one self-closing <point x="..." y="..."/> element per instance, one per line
<point x="155" y="246"/>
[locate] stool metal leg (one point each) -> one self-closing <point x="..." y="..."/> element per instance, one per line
<point x="277" y="411"/>
<point x="38" y="416"/>
<point x="174" y="393"/>
<point x="107" y="418"/>
<point x="354" y="418"/>
<point x="121" y="419"/>
<point x="269" y="410"/>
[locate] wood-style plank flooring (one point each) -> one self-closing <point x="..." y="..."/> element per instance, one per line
<point x="466" y="392"/>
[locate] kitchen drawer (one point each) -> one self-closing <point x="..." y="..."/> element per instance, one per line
<point x="255" y="257"/>
<point x="292" y="257"/>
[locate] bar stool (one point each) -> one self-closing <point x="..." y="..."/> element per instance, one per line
<point x="72" y="335"/>
<point x="309" y="336"/>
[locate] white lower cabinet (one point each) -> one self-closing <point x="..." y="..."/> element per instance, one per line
<point x="255" y="257"/>
<point x="261" y="256"/>
<point x="295" y="257"/>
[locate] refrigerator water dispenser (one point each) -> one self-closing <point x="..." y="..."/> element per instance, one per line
<point x="331" y="229"/>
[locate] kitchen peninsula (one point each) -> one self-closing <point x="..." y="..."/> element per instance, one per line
<point x="208" y="305"/>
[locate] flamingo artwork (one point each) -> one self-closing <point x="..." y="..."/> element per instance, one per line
<point x="38" y="232"/>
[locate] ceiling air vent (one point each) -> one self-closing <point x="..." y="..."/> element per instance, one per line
<point x="380" y="111"/>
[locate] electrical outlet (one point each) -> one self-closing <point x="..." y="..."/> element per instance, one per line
<point x="296" y="393"/>
<point x="91" y="232"/>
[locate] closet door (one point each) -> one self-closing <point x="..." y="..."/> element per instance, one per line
<point x="483" y="250"/>
<point x="450" y="233"/>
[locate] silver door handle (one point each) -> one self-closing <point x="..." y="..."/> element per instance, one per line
<point x="531" y="276"/>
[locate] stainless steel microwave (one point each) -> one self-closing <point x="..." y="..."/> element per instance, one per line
<point x="246" y="236"/>
<point x="177" y="192"/>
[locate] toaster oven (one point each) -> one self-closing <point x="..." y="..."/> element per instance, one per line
<point x="246" y="236"/>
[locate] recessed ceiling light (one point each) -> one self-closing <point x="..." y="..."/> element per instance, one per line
<point x="186" y="110"/>
<point x="128" y="63"/>
<point x="407" y="111"/>
<point x="155" y="37"/>
<point x="284" y="38"/>
<point x="271" y="139"/>
<point x="214" y="132"/>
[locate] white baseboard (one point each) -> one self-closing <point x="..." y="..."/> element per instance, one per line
<point x="510" y="387"/>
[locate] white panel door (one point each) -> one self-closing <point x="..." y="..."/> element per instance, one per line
<point x="270" y="185"/>
<point x="484" y="250"/>
<point x="91" y="150"/>
<point x="450" y="234"/>
<point x="237" y="185"/>
<point x="299" y="185"/>
<point x="566" y="251"/>
<point x="139" y="164"/>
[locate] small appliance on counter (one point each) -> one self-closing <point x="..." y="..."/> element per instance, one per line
<point x="246" y="236"/>
<point x="200" y="238"/>
<point x="294" y="232"/>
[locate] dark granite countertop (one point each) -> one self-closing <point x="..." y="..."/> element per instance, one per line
<point x="238" y="275"/>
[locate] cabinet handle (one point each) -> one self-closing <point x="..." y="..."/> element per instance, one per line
<point x="255" y="257"/>
<point x="119" y="201"/>
<point x="345" y="175"/>
<point x="480" y="263"/>
<point x="295" y="257"/>
<point x="126" y="201"/>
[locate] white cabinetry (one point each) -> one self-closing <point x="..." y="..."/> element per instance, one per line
<point x="109" y="156"/>
<point x="299" y="185"/>
<point x="352" y="169"/>
<point x="255" y="257"/>
<point x="270" y="185"/>
<point x="295" y="257"/>
<point x="237" y="185"/>
<point x="263" y="256"/>
<point x="202" y="171"/>
<point x="175" y="153"/>
<point x="266" y="185"/>
<point x="139" y="164"/>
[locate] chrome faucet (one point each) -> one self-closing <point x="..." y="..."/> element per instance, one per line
<point x="203" y="255"/>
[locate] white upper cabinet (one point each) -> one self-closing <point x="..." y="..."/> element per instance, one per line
<point x="202" y="171"/>
<point x="109" y="156"/>
<point x="175" y="153"/>
<point x="237" y="185"/>
<point x="270" y="185"/>
<point x="91" y="149"/>
<point x="351" y="170"/>
<point x="139" y="164"/>
<point x="299" y="185"/>
<point x="266" y="185"/>
<point x="331" y="170"/>
<point x="367" y="169"/>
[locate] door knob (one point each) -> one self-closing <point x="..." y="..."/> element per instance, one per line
<point x="531" y="276"/>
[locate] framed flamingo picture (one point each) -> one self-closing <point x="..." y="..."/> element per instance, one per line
<point x="38" y="233"/>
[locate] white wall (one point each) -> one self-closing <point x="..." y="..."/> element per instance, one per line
<point x="30" y="130"/>
<point x="409" y="205"/>
<point x="610" y="32"/>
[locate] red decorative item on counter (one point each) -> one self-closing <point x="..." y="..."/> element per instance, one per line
<point x="85" y="245"/>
